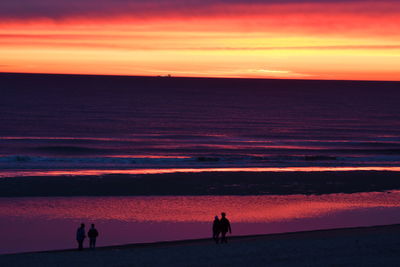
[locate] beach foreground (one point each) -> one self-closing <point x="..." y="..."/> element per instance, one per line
<point x="363" y="246"/>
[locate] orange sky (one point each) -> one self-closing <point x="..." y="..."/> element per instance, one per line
<point x="358" y="40"/>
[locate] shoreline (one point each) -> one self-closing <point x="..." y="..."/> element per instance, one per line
<point x="159" y="171"/>
<point x="234" y="239"/>
<point x="357" y="246"/>
<point x="200" y="184"/>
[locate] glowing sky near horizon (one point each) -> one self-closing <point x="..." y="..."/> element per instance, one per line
<point x="326" y="39"/>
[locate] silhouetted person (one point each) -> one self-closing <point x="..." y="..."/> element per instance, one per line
<point x="92" y="234"/>
<point x="80" y="236"/>
<point x="225" y="226"/>
<point x="216" y="229"/>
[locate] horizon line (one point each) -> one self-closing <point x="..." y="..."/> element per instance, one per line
<point x="171" y="76"/>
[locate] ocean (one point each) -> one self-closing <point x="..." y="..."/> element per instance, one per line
<point x="77" y="125"/>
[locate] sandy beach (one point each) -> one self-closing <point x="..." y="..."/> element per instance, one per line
<point x="363" y="246"/>
<point x="208" y="183"/>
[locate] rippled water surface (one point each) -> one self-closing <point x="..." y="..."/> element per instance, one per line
<point x="68" y="123"/>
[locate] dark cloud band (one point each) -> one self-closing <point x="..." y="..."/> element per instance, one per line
<point x="58" y="9"/>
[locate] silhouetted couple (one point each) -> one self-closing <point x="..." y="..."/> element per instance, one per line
<point x="221" y="226"/>
<point x="81" y="235"/>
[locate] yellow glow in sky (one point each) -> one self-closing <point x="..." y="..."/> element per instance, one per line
<point x="260" y="44"/>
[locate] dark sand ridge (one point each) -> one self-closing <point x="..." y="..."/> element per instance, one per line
<point x="207" y="183"/>
<point x="361" y="246"/>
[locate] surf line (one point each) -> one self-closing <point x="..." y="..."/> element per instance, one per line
<point x="92" y="172"/>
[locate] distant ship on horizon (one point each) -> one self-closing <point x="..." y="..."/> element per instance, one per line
<point x="165" y="76"/>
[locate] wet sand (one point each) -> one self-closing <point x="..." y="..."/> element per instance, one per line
<point x="208" y="183"/>
<point x="362" y="246"/>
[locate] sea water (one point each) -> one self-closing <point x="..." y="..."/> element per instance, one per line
<point x="127" y="124"/>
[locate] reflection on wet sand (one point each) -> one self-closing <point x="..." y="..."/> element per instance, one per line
<point x="194" y="208"/>
<point x="149" y="219"/>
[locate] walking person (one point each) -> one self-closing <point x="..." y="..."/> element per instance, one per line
<point x="216" y="228"/>
<point x="92" y="234"/>
<point x="225" y="226"/>
<point x="80" y="236"/>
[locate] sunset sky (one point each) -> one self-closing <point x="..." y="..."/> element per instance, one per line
<point x="306" y="39"/>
